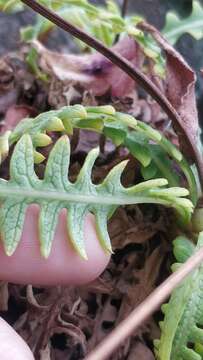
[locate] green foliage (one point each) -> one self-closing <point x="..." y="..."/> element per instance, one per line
<point x="182" y="333"/>
<point x="104" y="23"/>
<point x="32" y="61"/>
<point x="10" y="5"/>
<point x="56" y="192"/>
<point x="149" y="146"/>
<point x="193" y="24"/>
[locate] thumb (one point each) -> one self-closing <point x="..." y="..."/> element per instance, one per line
<point x="12" y="345"/>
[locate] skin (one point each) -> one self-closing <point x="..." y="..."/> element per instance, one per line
<point x="63" y="267"/>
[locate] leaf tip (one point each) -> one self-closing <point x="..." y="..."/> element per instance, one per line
<point x="82" y="254"/>
<point x="55" y="124"/>
<point x="110" y="251"/>
<point x="45" y="251"/>
<point x="42" y="140"/>
<point x="38" y="157"/>
<point x="9" y="250"/>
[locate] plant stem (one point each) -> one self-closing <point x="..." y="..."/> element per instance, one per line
<point x="144" y="310"/>
<point x="124" y="8"/>
<point x="129" y="69"/>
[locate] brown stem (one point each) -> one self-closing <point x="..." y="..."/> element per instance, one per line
<point x="144" y="310"/>
<point x="124" y="8"/>
<point x="129" y="69"/>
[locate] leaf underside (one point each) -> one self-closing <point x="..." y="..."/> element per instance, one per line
<point x="55" y="192"/>
<point x="182" y="328"/>
<point x="155" y="153"/>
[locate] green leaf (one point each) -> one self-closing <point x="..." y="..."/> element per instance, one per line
<point x="175" y="27"/>
<point x="163" y="164"/>
<point x="150" y="171"/>
<point x="183" y="315"/>
<point x="10" y="5"/>
<point x="91" y="123"/>
<point x="103" y="22"/>
<point x="31" y="59"/>
<point x="138" y="146"/>
<point x="116" y="132"/>
<point x="56" y="192"/>
<point x="118" y="127"/>
<point x="183" y="248"/>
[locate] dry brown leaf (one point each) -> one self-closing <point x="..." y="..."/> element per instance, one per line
<point x="8" y="93"/>
<point x="16" y="113"/>
<point x="179" y="87"/>
<point x="132" y="229"/>
<point x="100" y="286"/>
<point x="94" y="72"/>
<point x="137" y="284"/>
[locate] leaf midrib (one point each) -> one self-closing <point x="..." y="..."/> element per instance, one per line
<point x="99" y="199"/>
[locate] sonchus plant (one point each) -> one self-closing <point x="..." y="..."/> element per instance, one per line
<point x="163" y="167"/>
<point x="55" y="192"/>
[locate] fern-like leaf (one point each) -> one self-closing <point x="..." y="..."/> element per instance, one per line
<point x="56" y="192"/>
<point x="182" y="333"/>
<point x="156" y="160"/>
<point x="193" y="24"/>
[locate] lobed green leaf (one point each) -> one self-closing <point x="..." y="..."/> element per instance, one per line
<point x="193" y="24"/>
<point x="156" y="154"/>
<point x="181" y="330"/>
<point x="56" y="192"/>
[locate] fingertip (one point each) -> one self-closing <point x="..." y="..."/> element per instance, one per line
<point x="12" y="345"/>
<point x="63" y="266"/>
